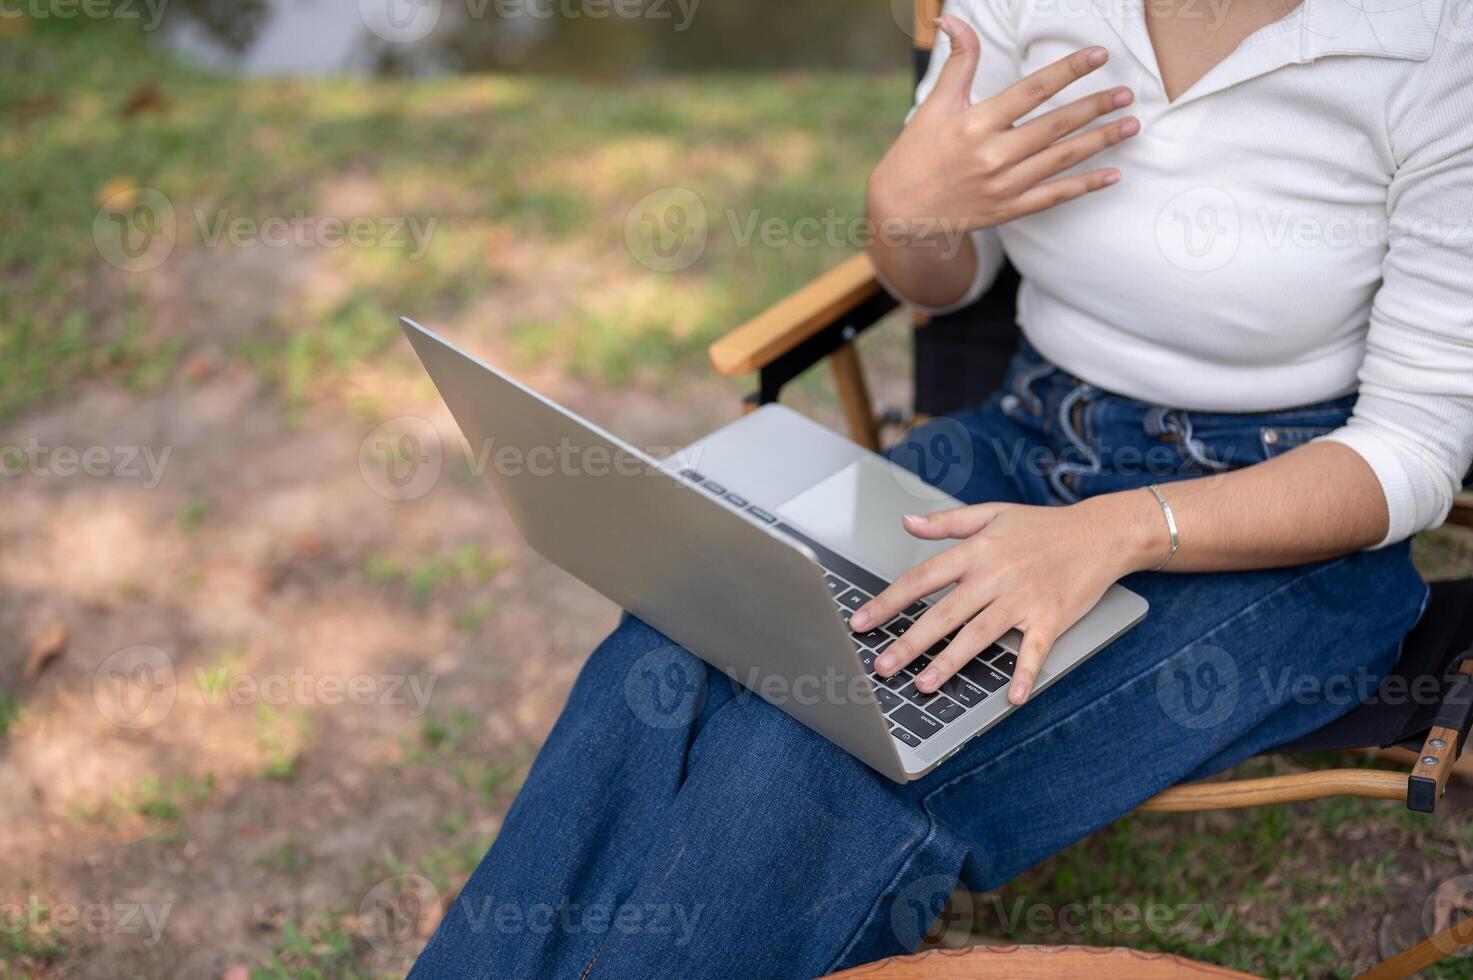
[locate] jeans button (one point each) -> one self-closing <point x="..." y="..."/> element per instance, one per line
<point x="1009" y="404"/>
<point x="1270" y="437"/>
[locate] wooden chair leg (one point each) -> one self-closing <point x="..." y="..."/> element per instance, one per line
<point x="859" y="412"/>
<point x="1238" y="793"/>
<point x="1456" y="937"/>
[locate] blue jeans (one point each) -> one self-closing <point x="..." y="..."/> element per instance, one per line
<point x="677" y="826"/>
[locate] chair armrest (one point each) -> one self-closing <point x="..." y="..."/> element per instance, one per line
<point x="780" y="328"/>
<point x="1462" y="512"/>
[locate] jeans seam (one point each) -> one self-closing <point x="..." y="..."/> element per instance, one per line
<point x="1295" y="581"/>
<point x="931" y="828"/>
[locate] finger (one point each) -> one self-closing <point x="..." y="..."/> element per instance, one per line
<point x="1038" y="640"/>
<point x="1071" y="152"/>
<point x="929" y="576"/>
<point x="984" y="630"/>
<point x="954" y="85"/>
<point x="1051" y="127"/>
<point x="940" y="621"/>
<point x="1022" y="97"/>
<point x="1056" y="192"/>
<point x="959" y="522"/>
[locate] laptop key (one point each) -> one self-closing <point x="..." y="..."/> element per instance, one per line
<point x="837" y="586"/>
<point x="895" y="683"/>
<point x="873" y="638"/>
<point x="914" y="610"/>
<point x="854" y="598"/>
<point x="898" y="626"/>
<point x="910" y="693"/>
<point x="733" y="499"/>
<point x="1006" y="663"/>
<point x="888" y="701"/>
<point x="715" y="488"/>
<point x="693" y="476"/>
<point x="946" y="709"/>
<point x="904" y="736"/>
<point x="762" y="515"/>
<point x="959" y="690"/>
<point x="915" y="721"/>
<point x="983" y="676"/>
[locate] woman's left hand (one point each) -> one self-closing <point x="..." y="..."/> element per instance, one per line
<point x="1036" y="569"/>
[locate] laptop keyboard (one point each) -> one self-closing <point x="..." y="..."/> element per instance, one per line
<point x="913" y="717"/>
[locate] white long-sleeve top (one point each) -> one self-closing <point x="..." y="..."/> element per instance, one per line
<point x="1294" y="227"/>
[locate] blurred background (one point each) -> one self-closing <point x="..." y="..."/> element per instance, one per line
<point x="272" y="659"/>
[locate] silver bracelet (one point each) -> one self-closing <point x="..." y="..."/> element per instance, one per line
<point x="1170" y="525"/>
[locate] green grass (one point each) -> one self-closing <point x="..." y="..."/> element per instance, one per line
<point x="10" y="711"/>
<point x="475" y="155"/>
<point x="319" y="948"/>
<point x="29" y="945"/>
<point x="1255" y="890"/>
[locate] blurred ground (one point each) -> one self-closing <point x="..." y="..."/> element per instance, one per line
<point x="289" y="711"/>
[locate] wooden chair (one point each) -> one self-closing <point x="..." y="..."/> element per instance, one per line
<point x="962" y="357"/>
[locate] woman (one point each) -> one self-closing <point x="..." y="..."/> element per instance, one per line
<point x="1254" y="295"/>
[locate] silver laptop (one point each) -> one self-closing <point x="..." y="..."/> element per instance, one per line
<point x="750" y="548"/>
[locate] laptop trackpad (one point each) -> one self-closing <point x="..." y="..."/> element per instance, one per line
<point x="857" y="512"/>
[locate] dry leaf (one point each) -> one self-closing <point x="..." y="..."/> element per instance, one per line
<point x="48" y="646"/>
<point x="118" y="194"/>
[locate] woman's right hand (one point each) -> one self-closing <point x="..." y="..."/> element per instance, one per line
<point x="959" y="167"/>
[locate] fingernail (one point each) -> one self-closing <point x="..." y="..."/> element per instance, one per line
<point x="1019" y="692"/>
<point x="886" y="663"/>
<point x="1130" y="127"/>
<point x="1123" y="97"/>
<point x="859" y="621"/>
<point x="1109" y="179"/>
<point x="929" y="680"/>
<point x="918" y="518"/>
<point x="1097" y="57"/>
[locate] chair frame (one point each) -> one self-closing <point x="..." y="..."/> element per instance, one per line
<point x="822" y="320"/>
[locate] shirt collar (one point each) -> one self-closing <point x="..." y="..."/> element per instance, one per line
<point x="1316" y="29"/>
